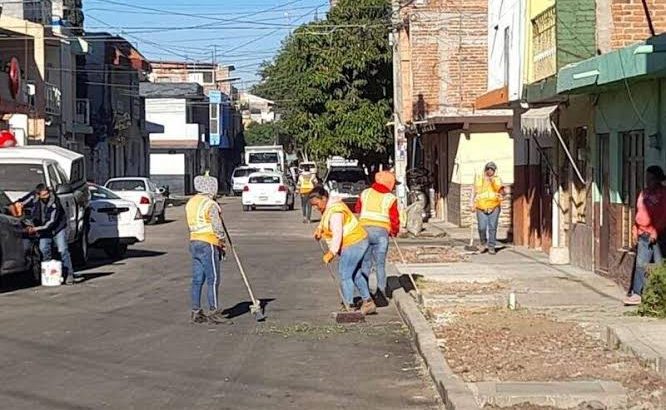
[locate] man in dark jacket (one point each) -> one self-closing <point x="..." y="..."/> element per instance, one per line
<point x="50" y="226"/>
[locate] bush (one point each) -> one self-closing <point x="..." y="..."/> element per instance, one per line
<point x="654" y="294"/>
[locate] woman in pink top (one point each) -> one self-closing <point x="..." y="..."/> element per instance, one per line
<point x="649" y="229"/>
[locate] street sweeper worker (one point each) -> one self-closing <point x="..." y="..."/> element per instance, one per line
<point x="378" y="213"/>
<point x="487" y="203"/>
<point x="204" y="219"/>
<point x="306" y="183"/>
<point x="347" y="240"/>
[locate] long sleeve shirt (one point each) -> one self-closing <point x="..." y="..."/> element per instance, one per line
<point x="394" y="214"/>
<point x="336" y="226"/>
<point x="216" y="220"/>
<point x="651" y="213"/>
<point x="49" y="217"/>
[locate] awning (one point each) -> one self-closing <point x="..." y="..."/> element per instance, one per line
<point x="537" y="121"/>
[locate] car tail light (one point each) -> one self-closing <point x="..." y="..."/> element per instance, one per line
<point x="282" y="188"/>
<point x="144" y="200"/>
<point x="138" y="216"/>
<point x="246" y="188"/>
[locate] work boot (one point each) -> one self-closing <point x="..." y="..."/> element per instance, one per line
<point x="380" y="299"/>
<point x="197" y="316"/>
<point x="492" y="251"/>
<point x="368" y="307"/>
<point x="218" y="317"/>
<point x="305" y="221"/>
<point x="388" y="292"/>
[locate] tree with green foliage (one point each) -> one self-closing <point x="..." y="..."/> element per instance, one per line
<point x="332" y="83"/>
<point x="264" y="134"/>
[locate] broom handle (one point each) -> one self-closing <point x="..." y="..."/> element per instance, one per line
<point x="332" y="275"/>
<point x="409" y="273"/>
<point x="238" y="262"/>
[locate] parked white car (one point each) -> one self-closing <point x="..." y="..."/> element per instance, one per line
<point x="267" y="189"/>
<point x="115" y="223"/>
<point x="240" y="177"/>
<point x="143" y="193"/>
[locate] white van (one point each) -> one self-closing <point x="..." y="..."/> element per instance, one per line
<point x="23" y="168"/>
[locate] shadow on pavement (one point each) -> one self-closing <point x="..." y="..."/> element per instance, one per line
<point x="11" y="283"/>
<point x="85" y="277"/>
<point x="244" y="307"/>
<point x="101" y="259"/>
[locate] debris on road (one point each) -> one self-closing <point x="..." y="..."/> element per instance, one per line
<point x="433" y="287"/>
<point x="426" y="254"/>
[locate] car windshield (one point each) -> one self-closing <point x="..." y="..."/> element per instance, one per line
<point x="347" y="175"/>
<point x="265" y="179"/>
<point x="264" y="158"/>
<point x="243" y="172"/>
<point x="126" y="185"/>
<point x="98" y="192"/>
<point x="21" y="177"/>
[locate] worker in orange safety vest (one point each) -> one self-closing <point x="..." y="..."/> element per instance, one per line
<point x="486" y="202"/>
<point x="378" y="212"/>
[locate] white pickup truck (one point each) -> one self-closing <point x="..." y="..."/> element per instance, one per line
<point x="265" y="157"/>
<point x="23" y="168"/>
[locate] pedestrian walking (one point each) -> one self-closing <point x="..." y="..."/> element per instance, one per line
<point x="649" y="230"/>
<point x="204" y="219"/>
<point x="347" y="239"/>
<point x="306" y="183"/>
<point x="49" y="225"/>
<point x="378" y="213"/>
<point x="486" y="202"/>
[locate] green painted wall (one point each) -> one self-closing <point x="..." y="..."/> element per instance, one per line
<point x="629" y="107"/>
<point x="576" y="31"/>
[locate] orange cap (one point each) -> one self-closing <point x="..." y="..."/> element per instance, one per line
<point x="385" y="178"/>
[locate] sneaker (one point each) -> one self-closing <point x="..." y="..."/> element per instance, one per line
<point x="368" y="307"/>
<point x="69" y="280"/>
<point x="197" y="316"/>
<point x="380" y="299"/>
<point x="305" y="221"/>
<point x="492" y="251"/>
<point x="632" y="300"/>
<point x="218" y="317"/>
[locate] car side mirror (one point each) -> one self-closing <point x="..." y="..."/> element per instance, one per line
<point x="161" y="190"/>
<point x="63" y="189"/>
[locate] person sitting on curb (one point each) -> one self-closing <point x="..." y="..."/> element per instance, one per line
<point x="649" y="230"/>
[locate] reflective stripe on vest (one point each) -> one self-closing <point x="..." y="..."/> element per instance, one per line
<point x="352" y="231"/>
<point x="198" y="219"/>
<point x="375" y="208"/>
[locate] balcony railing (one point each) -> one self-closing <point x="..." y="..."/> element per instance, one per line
<point x="544" y="44"/>
<point x="53" y="99"/>
<point x="82" y="111"/>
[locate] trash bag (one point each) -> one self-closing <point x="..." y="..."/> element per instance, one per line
<point x="415" y="216"/>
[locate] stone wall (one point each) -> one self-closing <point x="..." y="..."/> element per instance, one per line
<point x="459" y="206"/>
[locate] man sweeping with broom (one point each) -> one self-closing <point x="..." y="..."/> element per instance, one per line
<point x="347" y="239"/>
<point x="204" y="219"/>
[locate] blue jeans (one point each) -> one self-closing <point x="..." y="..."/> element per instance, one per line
<point x="306" y="208"/>
<point x="378" y="239"/>
<point x="645" y="253"/>
<point x="349" y="270"/>
<point x="488" y="227"/>
<point x="205" y="268"/>
<point x="60" y="241"/>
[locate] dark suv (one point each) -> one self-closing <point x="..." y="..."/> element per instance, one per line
<point x="18" y="254"/>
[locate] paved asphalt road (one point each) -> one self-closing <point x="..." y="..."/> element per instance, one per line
<point x="122" y="339"/>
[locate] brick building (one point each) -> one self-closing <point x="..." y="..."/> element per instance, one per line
<point x="440" y="66"/>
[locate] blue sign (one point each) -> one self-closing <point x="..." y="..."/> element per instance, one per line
<point x="215" y="96"/>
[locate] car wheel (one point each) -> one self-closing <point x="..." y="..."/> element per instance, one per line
<point x="285" y="207"/>
<point x="115" y="251"/>
<point x="246" y="208"/>
<point x="80" y="251"/>
<point x="161" y="218"/>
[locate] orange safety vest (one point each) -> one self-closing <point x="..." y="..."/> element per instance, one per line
<point x="375" y="207"/>
<point x="487" y="193"/>
<point x="306" y="184"/>
<point x="352" y="231"/>
<point x="198" y="219"/>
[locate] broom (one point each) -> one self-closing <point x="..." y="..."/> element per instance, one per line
<point x="348" y="316"/>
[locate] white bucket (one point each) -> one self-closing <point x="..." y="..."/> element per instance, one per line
<point x="51" y="273"/>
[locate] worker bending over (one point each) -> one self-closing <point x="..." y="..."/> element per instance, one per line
<point x="204" y="219"/>
<point x="347" y="239"/>
<point x="378" y="209"/>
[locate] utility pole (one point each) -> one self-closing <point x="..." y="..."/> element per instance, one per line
<point x="215" y="65"/>
<point x="399" y="141"/>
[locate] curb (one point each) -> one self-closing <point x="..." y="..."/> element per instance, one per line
<point x="452" y="390"/>
<point x="621" y="337"/>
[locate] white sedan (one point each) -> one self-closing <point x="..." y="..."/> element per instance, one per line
<point x="114" y="222"/>
<point x="267" y="189"/>
<point x="143" y="193"/>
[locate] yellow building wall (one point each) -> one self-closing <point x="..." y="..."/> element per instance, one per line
<point x="478" y="146"/>
<point x="533" y="9"/>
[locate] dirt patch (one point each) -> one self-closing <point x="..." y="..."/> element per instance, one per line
<point x="431" y="287"/>
<point x="426" y="254"/>
<point x="493" y="344"/>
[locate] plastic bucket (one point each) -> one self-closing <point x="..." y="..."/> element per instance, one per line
<point x="51" y="273"/>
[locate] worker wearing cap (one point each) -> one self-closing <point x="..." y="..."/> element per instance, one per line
<point x="378" y="213"/>
<point x="347" y="239"/>
<point x="486" y="202"/>
<point x="204" y="219"/>
<point x="305" y="185"/>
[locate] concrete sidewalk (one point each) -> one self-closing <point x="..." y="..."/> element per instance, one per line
<point x="564" y="292"/>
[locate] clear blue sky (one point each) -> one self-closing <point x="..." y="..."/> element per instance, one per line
<point x="238" y="32"/>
